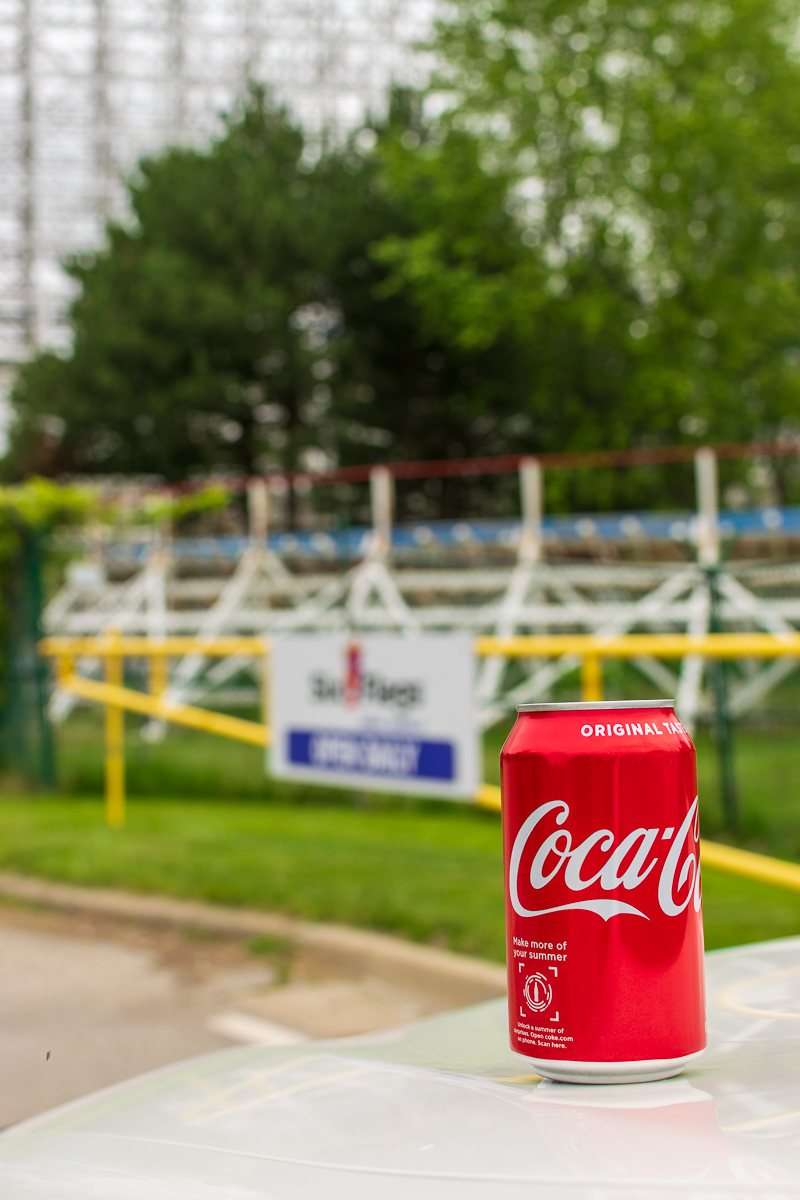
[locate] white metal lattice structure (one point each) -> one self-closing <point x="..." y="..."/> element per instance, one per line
<point x="88" y="86"/>
<point x="534" y="596"/>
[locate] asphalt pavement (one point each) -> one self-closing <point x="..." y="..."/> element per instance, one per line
<point x="88" y="1000"/>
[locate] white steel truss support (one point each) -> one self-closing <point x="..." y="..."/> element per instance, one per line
<point x="522" y="585"/>
<point x="156" y="592"/>
<point x="258" y="511"/>
<point x="646" y="611"/>
<point x="224" y="669"/>
<point x="374" y="588"/>
<point x="372" y="591"/>
<point x="368" y="596"/>
<point x="381" y="494"/>
<point x="659" y="673"/>
<point x="748" y="692"/>
<point x="257" y="564"/>
<point x="217" y="620"/>
<point x="707" y="520"/>
<point x="156" y="617"/>
<point x="531" y="487"/>
<point x="534" y="596"/>
<point x="130" y="613"/>
<point x="318" y="611"/>
<point x="509" y="621"/>
<point x="687" y="701"/>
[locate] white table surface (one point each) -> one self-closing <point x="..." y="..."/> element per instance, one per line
<point x="442" y="1111"/>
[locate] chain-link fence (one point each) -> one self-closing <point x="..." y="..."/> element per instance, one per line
<point x="26" y="741"/>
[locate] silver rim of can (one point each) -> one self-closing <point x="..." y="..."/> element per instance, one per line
<point x="648" y="1070"/>
<point x="594" y="705"/>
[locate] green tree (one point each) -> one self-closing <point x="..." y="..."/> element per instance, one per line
<point x="189" y="326"/>
<point x="406" y="387"/>
<point x="650" y="158"/>
<point x="240" y="321"/>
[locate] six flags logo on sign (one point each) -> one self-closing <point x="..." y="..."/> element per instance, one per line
<point x="353" y="673"/>
<point x="358" y="686"/>
<point x="627" y="865"/>
<point x="378" y="706"/>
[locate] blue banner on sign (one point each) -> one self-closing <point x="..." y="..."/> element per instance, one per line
<point x="371" y="754"/>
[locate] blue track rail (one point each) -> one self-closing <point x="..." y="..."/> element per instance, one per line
<point x="352" y="543"/>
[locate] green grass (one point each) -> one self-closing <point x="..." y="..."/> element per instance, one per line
<point x="196" y="766"/>
<point x="768" y="778"/>
<point x="433" y="876"/>
<point x="424" y="869"/>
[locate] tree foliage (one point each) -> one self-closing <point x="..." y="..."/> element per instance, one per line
<point x="239" y="322"/>
<point x="585" y="235"/>
<point x="184" y="315"/>
<point x="650" y="157"/>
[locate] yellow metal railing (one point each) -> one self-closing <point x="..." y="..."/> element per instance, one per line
<point x="119" y="645"/>
<point x="592" y="650"/>
<point x="553" y="645"/>
<point x="114" y="648"/>
<point x="632" y="645"/>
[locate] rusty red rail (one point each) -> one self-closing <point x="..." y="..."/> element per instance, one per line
<point x="503" y="464"/>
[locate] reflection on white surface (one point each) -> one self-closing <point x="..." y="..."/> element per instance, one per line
<point x="665" y="1133"/>
<point x="774" y="995"/>
<point x="440" y="1111"/>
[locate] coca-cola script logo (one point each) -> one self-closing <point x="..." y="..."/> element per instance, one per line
<point x="628" y="864"/>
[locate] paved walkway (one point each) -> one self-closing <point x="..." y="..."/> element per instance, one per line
<point x="88" y="999"/>
<point x="80" y="1010"/>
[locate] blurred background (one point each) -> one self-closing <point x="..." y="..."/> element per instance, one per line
<point x="478" y="316"/>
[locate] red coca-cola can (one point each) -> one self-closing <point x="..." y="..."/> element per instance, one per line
<point x="603" y="903"/>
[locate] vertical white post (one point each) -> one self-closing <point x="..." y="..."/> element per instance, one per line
<point x="381" y="492"/>
<point x="258" y="511"/>
<point x="28" y="216"/>
<point x="102" y="113"/>
<point x="532" y="502"/>
<point x="707" y="539"/>
<point x="252" y="39"/>
<point x="176" y="69"/>
<point x="98" y="537"/>
<point x="510" y="609"/>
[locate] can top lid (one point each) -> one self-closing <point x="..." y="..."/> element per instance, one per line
<point x="595" y="705"/>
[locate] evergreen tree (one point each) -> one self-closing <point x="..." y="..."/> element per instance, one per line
<point x="241" y="322"/>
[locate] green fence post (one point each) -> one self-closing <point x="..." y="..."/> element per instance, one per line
<point x="46" y="758"/>
<point x="26" y="727"/>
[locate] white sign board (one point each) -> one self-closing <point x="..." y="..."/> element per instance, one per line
<point x="388" y="711"/>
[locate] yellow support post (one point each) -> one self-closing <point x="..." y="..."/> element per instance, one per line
<point x="158" y="673"/>
<point x="115" y="742"/>
<point x="488" y="796"/>
<point x="65" y="665"/>
<point x="591" y="677"/>
<point x="265" y="680"/>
